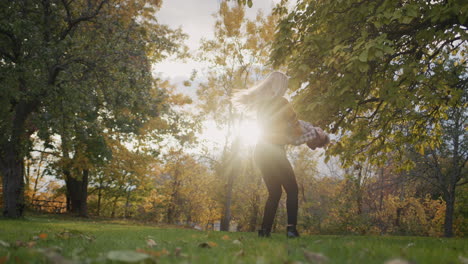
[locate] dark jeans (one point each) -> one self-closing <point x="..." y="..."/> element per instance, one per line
<point x="277" y="173"/>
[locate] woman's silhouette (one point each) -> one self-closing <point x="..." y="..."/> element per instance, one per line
<point x="280" y="126"/>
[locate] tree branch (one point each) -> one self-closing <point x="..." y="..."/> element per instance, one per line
<point x="72" y="23"/>
<point x="462" y="183"/>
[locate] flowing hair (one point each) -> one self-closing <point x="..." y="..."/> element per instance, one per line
<point x="275" y="84"/>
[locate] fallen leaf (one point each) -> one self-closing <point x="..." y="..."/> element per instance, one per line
<point x="212" y="244"/>
<point x="164" y="252"/>
<point x="128" y="256"/>
<point x="151" y="243"/>
<point x="225" y="237"/>
<point x="19" y="243"/>
<point x="76" y="252"/>
<point x="89" y="238"/>
<point x="463" y="260"/>
<point x="4" y="244"/>
<point x="63" y="235"/>
<point x="409" y="245"/>
<point x="5" y="258"/>
<point x="31" y="244"/>
<point x="397" y="261"/>
<point x="240" y="253"/>
<point x="260" y="260"/>
<point x="313" y="257"/>
<point x="43" y="235"/>
<point x="56" y="249"/>
<point x="350" y="244"/>
<point x="54" y="257"/>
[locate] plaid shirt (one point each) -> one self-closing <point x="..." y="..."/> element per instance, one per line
<point x="308" y="133"/>
<point x="280" y="124"/>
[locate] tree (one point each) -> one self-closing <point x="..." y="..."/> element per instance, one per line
<point x="33" y="39"/>
<point x="74" y="68"/>
<point x="249" y="192"/>
<point x="369" y="68"/>
<point x="304" y="163"/>
<point x="128" y="175"/>
<point x="36" y="167"/>
<point x="445" y="167"/>
<point x="188" y="186"/>
<point x="236" y="57"/>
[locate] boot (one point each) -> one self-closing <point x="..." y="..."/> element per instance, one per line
<point x="264" y="233"/>
<point x="291" y="232"/>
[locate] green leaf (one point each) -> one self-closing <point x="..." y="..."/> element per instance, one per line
<point x="364" y="55"/>
<point x="249" y="3"/>
<point x="378" y="53"/>
<point x="397" y="14"/>
<point x="363" y="67"/>
<point x="388" y="50"/>
<point x="406" y="20"/>
<point x="412" y="11"/>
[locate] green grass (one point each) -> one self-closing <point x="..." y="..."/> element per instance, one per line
<point x="88" y="241"/>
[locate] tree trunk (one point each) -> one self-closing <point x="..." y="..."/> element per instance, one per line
<point x="170" y="213"/>
<point x="449" y="211"/>
<point x="99" y="201"/>
<point x="381" y="189"/>
<point x="172" y="207"/>
<point x="114" y="205"/>
<point x="12" y="160"/>
<point x="359" y="192"/>
<point x="231" y="169"/>
<point x="225" y="221"/>
<point x="127" y="204"/>
<point x="255" y="211"/>
<point x="454" y="174"/>
<point x="78" y="193"/>
<point x="398" y="216"/>
<point x="13" y="185"/>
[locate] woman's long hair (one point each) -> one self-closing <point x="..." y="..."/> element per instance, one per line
<point x="275" y="84"/>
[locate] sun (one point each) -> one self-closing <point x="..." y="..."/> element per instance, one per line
<point x="249" y="132"/>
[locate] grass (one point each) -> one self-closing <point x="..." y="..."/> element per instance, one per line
<point x="52" y="240"/>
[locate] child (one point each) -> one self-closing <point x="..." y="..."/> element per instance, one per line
<point x="313" y="137"/>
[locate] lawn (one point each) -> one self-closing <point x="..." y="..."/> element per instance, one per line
<point x="52" y="240"/>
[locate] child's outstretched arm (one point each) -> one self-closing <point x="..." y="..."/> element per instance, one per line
<point x="314" y="137"/>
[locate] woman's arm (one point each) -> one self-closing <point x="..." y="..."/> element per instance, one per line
<point x="291" y="117"/>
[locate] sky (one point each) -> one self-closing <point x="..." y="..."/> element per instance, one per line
<point x="196" y="19"/>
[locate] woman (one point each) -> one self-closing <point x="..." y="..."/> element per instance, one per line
<point x="280" y="126"/>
